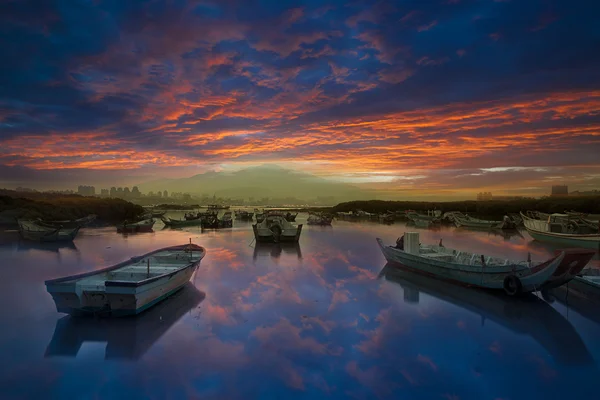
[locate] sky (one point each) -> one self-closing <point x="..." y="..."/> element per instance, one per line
<point x="434" y="97"/>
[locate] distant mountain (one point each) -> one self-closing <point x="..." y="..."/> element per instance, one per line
<point x="270" y="181"/>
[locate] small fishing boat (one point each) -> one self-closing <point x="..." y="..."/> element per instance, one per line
<point x="319" y="219"/>
<point x="477" y="270"/>
<point x="470" y="222"/>
<point x="432" y="215"/>
<point x="260" y="215"/>
<point x="158" y="213"/>
<point x="180" y="223"/>
<point x="30" y="230"/>
<point x="559" y="228"/>
<point x="244" y="215"/>
<point x="275" y="229"/>
<point x="192" y="216"/>
<point x="590" y="217"/>
<point x="74" y="223"/>
<point x="290" y="217"/>
<point x="129" y="287"/>
<point x="139" y="226"/>
<point x="387" y="218"/>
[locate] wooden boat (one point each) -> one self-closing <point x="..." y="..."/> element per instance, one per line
<point x="179" y="223"/>
<point x="129" y="287"/>
<point x="215" y="222"/>
<point x="133" y="227"/>
<point x="244" y="215"/>
<point x="74" y="223"/>
<point x="476" y="270"/>
<point x="525" y="315"/>
<point x="125" y="338"/>
<point x="558" y="229"/>
<point x="594" y="218"/>
<point x="470" y="222"/>
<point x="319" y="219"/>
<point x="30" y="230"/>
<point x="275" y="250"/>
<point x="387" y="218"/>
<point x="432" y="215"/>
<point x="275" y="229"/>
<point x="291" y="217"/>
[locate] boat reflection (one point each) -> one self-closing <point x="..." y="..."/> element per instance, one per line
<point x="127" y="337"/>
<point x="527" y="315"/>
<point x="275" y="250"/>
<point x="54" y="247"/>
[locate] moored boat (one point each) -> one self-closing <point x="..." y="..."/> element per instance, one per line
<point x="290" y="217"/>
<point x="477" y="270"/>
<point x="467" y="221"/>
<point x="129" y="287"/>
<point x="558" y="228"/>
<point x="432" y="215"/>
<point x="139" y="226"/>
<point x="319" y="219"/>
<point x="179" y="223"/>
<point x="275" y="229"/>
<point x="243" y="215"/>
<point x="74" y="223"/>
<point x="31" y="230"/>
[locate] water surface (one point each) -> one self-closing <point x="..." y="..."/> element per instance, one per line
<point x="326" y="318"/>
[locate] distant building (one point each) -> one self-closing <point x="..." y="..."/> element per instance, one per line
<point x="135" y="192"/>
<point x="126" y="192"/>
<point x="113" y="192"/>
<point x="86" y="190"/>
<point x="560" y="190"/>
<point x="165" y="194"/>
<point x="585" y="193"/>
<point x="104" y="192"/>
<point x="484" y="196"/>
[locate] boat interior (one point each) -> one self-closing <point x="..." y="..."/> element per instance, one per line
<point x="465" y="258"/>
<point x="160" y="263"/>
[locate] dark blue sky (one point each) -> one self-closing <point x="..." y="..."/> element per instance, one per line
<point x="395" y="93"/>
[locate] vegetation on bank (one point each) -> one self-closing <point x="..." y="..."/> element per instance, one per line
<point x="49" y="206"/>
<point x="487" y="209"/>
<point x="179" y="207"/>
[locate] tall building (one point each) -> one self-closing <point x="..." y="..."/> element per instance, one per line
<point x="86" y="190"/>
<point x="135" y="192"/>
<point x="560" y="190"/>
<point x="104" y="192"/>
<point x="113" y="192"/>
<point x="165" y="194"/>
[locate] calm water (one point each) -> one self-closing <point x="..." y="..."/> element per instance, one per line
<point x="323" y="319"/>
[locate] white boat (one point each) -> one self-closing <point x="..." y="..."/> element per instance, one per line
<point x="477" y="270"/>
<point x="129" y="287"/>
<point x="30" y="230"/>
<point x="139" y="226"/>
<point x="275" y="229"/>
<point x="470" y="222"/>
<point x="557" y="228"/>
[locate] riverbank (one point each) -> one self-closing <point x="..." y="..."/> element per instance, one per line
<point x="48" y="206"/>
<point x="488" y="209"/>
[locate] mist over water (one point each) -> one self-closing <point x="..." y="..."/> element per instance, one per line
<point x="326" y="318"/>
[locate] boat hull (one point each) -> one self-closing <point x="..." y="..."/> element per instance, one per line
<point x="286" y="236"/>
<point x="589" y="241"/>
<point x="531" y="279"/>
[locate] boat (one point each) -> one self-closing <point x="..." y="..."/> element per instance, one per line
<point x="387" y="218"/>
<point x="130" y="287"/>
<point x="125" y="338"/>
<point x="275" y="229"/>
<point x="559" y="228"/>
<point x="590" y="217"/>
<point x="180" y="223"/>
<point x="322" y="219"/>
<point x="157" y="213"/>
<point x="31" y="230"/>
<point x="260" y="215"/>
<point x="477" y="270"/>
<point x="470" y="222"/>
<point x="586" y="285"/>
<point x="244" y="215"/>
<point x="290" y="217"/>
<point x="139" y="226"/>
<point x="526" y="314"/>
<point x="216" y="222"/>
<point x="432" y="215"/>
<point x="192" y="216"/>
<point x="73" y="223"/>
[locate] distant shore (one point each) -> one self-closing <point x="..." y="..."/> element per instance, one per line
<point x="60" y="207"/>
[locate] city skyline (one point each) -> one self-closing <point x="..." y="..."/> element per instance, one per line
<point x="412" y="99"/>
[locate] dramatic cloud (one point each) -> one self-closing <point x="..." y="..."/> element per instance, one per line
<point x="396" y="95"/>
